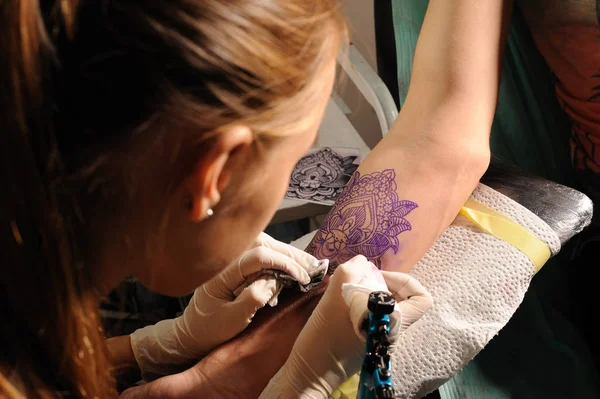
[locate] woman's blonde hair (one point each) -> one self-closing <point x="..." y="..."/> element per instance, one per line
<point x="80" y="78"/>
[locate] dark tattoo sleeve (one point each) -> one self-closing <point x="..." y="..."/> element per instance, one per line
<point x="366" y="219"/>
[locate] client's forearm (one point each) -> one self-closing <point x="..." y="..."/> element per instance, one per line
<point x="395" y="206"/>
<point x="412" y="185"/>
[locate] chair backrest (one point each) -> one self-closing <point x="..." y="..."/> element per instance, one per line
<point x="336" y="129"/>
<point x="370" y="85"/>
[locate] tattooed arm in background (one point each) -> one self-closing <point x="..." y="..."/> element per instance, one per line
<point x="403" y="195"/>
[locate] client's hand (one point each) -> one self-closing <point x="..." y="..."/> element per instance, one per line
<point x="329" y="350"/>
<point x="215" y="313"/>
<point x="242" y="367"/>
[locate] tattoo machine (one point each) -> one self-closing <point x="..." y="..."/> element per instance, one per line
<point x="284" y="280"/>
<point x="376" y="374"/>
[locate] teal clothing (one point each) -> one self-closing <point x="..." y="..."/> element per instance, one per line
<point x="539" y="353"/>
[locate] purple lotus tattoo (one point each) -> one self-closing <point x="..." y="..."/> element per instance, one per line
<point x="366" y="219"/>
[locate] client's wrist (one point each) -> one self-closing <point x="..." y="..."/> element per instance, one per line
<point x="121" y="352"/>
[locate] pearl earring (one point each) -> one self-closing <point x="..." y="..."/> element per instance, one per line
<point x="209" y="212"/>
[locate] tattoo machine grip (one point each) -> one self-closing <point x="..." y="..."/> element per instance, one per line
<point x="375" y="377"/>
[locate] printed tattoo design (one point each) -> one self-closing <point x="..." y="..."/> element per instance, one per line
<point x="366" y="220"/>
<point x="321" y="176"/>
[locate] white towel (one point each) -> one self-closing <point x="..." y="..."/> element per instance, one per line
<point x="477" y="282"/>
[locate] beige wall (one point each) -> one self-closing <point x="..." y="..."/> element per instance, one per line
<point x="362" y="34"/>
<point x="362" y="29"/>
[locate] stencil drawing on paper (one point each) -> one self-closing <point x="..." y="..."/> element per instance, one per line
<point x="320" y="176"/>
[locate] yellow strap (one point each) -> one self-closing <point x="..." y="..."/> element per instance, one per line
<point x="348" y="389"/>
<point x="505" y="229"/>
<point x="501" y="227"/>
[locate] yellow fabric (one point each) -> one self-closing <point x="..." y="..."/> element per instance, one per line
<point x="493" y="223"/>
<point x="507" y="230"/>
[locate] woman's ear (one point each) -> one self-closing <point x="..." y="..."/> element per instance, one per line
<point x="211" y="174"/>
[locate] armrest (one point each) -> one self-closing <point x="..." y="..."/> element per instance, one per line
<point x="566" y="210"/>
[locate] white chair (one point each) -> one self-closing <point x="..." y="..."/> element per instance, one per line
<point x="336" y="130"/>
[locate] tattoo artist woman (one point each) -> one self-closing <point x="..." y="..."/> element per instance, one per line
<point x="150" y="139"/>
<point x="433" y="156"/>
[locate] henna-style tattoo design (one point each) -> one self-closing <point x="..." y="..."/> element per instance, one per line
<point x="366" y="219"/>
<point x="321" y="176"/>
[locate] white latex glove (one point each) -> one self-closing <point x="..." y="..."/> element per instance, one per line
<point x="220" y="309"/>
<point x="329" y="350"/>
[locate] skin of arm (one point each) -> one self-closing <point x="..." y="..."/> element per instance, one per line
<point x="438" y="148"/>
<point x="120" y="352"/>
<point x="406" y="191"/>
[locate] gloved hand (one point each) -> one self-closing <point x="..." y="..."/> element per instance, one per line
<point x="329" y="350"/>
<point x="220" y="309"/>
